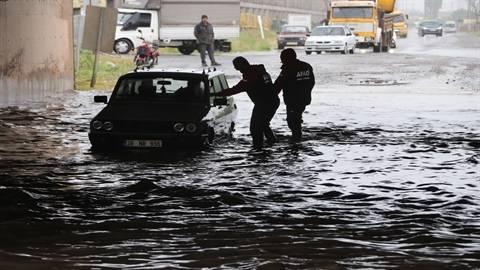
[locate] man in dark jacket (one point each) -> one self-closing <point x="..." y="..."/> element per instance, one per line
<point x="258" y="84"/>
<point x="297" y="81"/>
<point x="205" y="40"/>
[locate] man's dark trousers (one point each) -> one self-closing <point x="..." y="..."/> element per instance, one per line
<point x="206" y="48"/>
<point x="294" y="120"/>
<point x="262" y="114"/>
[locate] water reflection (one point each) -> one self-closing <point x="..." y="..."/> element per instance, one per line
<point x="354" y="194"/>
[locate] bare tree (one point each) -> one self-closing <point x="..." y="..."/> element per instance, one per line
<point x="474" y="12"/>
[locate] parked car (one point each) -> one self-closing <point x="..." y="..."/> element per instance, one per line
<point x="430" y="28"/>
<point x="291" y="35"/>
<point x="163" y="109"/>
<point x="450" y="27"/>
<point x="335" y="38"/>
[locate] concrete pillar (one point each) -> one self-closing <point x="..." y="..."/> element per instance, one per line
<point x="36" y="50"/>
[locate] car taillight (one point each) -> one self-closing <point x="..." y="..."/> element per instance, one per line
<point x="191" y="128"/>
<point x="97" y="125"/>
<point x="179" y="127"/>
<point x="108" y="126"/>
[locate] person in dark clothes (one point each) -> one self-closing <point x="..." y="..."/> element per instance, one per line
<point x="297" y="81"/>
<point x="205" y="39"/>
<point x="259" y="86"/>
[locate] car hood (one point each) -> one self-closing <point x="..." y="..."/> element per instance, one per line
<point x="158" y="112"/>
<point x="325" y="38"/>
<point x="292" y="34"/>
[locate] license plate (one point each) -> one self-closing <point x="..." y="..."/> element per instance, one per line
<point x="143" y="143"/>
<point x="292" y="43"/>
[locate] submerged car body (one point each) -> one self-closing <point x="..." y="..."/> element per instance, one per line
<point x="163" y="109"/>
<point x="337" y="38"/>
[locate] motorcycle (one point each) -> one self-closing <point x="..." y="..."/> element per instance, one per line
<point x="147" y="54"/>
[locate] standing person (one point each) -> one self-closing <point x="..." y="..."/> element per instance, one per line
<point x="205" y="39"/>
<point x="258" y="84"/>
<point x="297" y="81"/>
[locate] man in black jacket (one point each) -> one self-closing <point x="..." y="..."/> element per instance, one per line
<point x="258" y="84"/>
<point x="297" y="81"/>
<point x="205" y="39"/>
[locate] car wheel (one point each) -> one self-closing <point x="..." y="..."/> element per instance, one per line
<point x="211" y="136"/>
<point x="308" y="53"/>
<point x="352" y="51"/>
<point x="231" y="130"/>
<point x="319" y="52"/>
<point x="280" y="46"/>
<point x="122" y="46"/>
<point x="186" y="50"/>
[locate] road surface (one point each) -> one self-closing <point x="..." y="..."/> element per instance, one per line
<point x="387" y="177"/>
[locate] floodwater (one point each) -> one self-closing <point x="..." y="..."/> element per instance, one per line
<point x="387" y="178"/>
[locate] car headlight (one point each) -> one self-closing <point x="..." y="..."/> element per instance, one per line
<point x="179" y="127"/>
<point x="97" y="125"/>
<point x="108" y="126"/>
<point x="191" y="128"/>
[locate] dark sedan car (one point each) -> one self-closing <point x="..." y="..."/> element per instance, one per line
<point x="163" y="109"/>
<point x="430" y="28"/>
<point x="291" y="35"/>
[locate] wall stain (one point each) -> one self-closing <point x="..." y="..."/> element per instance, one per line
<point x="12" y="67"/>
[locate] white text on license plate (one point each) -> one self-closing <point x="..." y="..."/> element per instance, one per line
<point x="143" y="143"/>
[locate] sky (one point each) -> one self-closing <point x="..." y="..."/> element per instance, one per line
<point x="419" y="4"/>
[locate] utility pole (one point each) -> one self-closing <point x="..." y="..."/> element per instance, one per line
<point x="93" y="81"/>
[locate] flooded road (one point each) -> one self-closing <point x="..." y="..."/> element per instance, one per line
<point x="387" y="178"/>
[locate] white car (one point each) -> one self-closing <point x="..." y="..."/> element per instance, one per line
<point x="450" y="27"/>
<point x="335" y="38"/>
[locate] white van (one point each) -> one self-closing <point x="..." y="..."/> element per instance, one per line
<point x="166" y="27"/>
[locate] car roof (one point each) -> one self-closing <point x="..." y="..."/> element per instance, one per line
<point x="331" y="26"/>
<point x="293" y="25"/>
<point x="210" y="72"/>
<point x="431" y="21"/>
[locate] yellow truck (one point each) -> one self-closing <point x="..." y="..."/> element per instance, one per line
<point x="368" y="19"/>
<point x="400" y="24"/>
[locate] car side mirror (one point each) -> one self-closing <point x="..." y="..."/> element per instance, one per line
<point x="100" y="99"/>
<point x="220" y="101"/>
<point x="349" y="34"/>
<point x="140" y="31"/>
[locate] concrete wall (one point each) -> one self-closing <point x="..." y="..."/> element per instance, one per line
<point x="36" y="50"/>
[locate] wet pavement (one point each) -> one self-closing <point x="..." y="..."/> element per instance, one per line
<point x="387" y="177"/>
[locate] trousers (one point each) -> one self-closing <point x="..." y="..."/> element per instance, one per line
<point x="262" y="114"/>
<point x="204" y="49"/>
<point x="295" y="120"/>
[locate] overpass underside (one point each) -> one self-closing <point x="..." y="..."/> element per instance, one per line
<point x="36" y="50"/>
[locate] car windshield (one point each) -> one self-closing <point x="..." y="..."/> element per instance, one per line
<point x="328" y="31"/>
<point x="123" y="17"/>
<point x="398" y="18"/>
<point x="294" y="29"/>
<point x="163" y="89"/>
<point x="431" y="24"/>
<point x="352" y="12"/>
